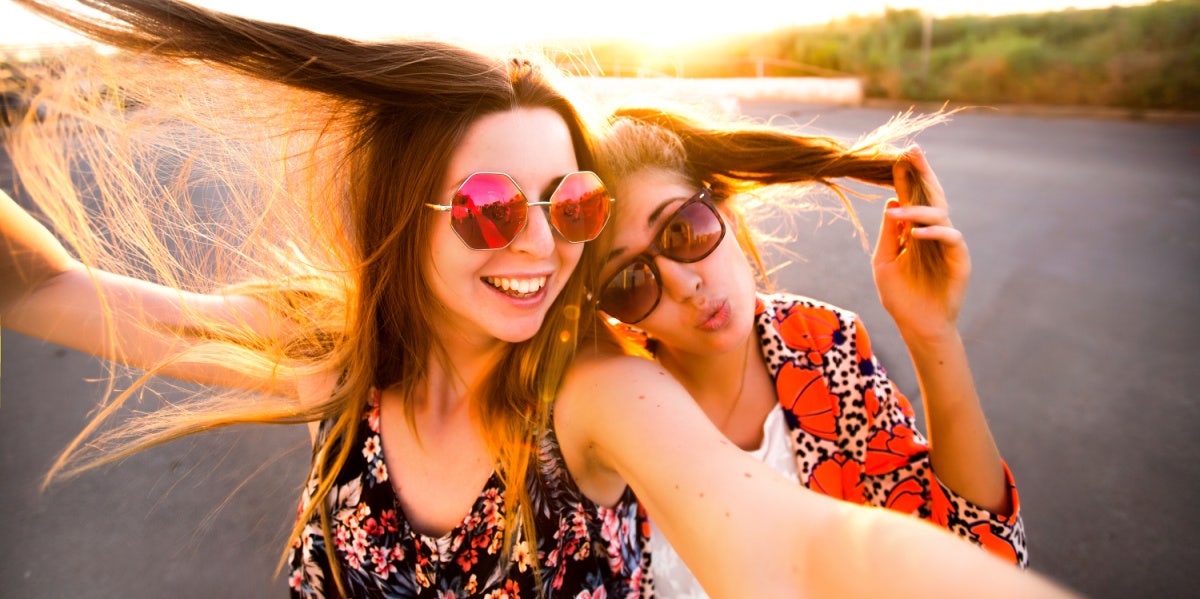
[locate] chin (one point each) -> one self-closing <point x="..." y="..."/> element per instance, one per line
<point x="517" y="332"/>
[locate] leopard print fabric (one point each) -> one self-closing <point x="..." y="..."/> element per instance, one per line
<point x="854" y="434"/>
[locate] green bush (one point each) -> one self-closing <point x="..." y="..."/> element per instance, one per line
<point x="1143" y="57"/>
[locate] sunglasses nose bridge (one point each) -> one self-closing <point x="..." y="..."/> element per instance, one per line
<point x="536" y="235"/>
<point x="652" y="252"/>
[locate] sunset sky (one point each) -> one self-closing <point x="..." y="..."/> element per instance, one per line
<point x="508" y="22"/>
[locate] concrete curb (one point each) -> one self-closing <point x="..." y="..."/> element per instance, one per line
<point x="1044" y="110"/>
<point x="727" y="93"/>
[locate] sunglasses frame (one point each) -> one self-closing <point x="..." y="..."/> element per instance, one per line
<point x="704" y="196"/>
<point x="449" y="207"/>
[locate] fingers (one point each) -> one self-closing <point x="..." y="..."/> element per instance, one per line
<point x="920" y="216"/>
<point x="900" y="223"/>
<point x="925" y="222"/>
<point x="913" y="167"/>
<point x="942" y="234"/>
<point x="902" y="177"/>
<point x="891" y="233"/>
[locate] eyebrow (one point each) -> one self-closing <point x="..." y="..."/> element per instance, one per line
<point x="651" y="220"/>
<point x="551" y="187"/>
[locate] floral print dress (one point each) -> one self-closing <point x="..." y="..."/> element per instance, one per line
<point x="582" y="550"/>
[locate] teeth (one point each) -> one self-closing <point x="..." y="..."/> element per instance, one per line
<point x="517" y="287"/>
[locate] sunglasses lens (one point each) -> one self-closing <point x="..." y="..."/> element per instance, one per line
<point x="692" y="233"/>
<point x="631" y="294"/>
<point x="579" y="207"/>
<point x="488" y="211"/>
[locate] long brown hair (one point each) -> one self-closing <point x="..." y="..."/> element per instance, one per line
<point x="734" y="156"/>
<point x="325" y="150"/>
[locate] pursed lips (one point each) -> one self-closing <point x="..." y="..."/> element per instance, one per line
<point x="712" y="319"/>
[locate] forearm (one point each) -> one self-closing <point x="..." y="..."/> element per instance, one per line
<point x="962" y="450"/>
<point x="880" y="553"/>
<point x="29" y="254"/>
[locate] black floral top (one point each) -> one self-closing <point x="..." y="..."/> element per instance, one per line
<point x="583" y="550"/>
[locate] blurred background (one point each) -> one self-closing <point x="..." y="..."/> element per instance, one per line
<point x="1074" y="176"/>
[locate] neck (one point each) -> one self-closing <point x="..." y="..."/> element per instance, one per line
<point x="712" y="379"/>
<point x="734" y="388"/>
<point x="456" y="367"/>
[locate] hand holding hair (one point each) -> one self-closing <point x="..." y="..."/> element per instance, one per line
<point x="925" y="308"/>
<point x="924" y="303"/>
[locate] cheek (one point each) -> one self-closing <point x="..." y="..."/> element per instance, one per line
<point x="736" y="260"/>
<point x="441" y="236"/>
<point x="569" y="254"/>
<point x="448" y="261"/>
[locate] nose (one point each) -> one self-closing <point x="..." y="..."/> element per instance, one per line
<point x="538" y="237"/>
<point x="679" y="281"/>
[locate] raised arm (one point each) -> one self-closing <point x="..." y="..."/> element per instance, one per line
<point x="47" y="294"/>
<point x="742" y="529"/>
<point x="962" y="451"/>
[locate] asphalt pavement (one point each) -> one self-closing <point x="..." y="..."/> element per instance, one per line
<point x="1081" y="325"/>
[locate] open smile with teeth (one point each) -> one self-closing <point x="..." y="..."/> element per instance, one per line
<point x="519" y="288"/>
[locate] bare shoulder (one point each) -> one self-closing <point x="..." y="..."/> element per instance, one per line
<point x="611" y="398"/>
<point x="607" y="408"/>
<point x="603" y="381"/>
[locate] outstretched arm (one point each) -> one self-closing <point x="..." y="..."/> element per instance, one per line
<point x="962" y="450"/>
<point x="45" y="293"/>
<point x="31" y="255"/>
<point x="742" y="529"/>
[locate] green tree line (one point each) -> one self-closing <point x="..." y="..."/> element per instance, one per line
<point x="1141" y="57"/>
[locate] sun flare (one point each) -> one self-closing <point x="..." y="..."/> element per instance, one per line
<point x="656" y="25"/>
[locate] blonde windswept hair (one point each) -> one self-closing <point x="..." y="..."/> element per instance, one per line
<point x="321" y="151"/>
<point x="734" y="156"/>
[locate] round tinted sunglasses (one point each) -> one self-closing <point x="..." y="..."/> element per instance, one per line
<point x="489" y="210"/>
<point x="689" y="235"/>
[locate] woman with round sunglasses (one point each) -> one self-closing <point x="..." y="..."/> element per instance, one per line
<point x="790" y="380"/>
<point x="393" y="262"/>
<point x="386" y="283"/>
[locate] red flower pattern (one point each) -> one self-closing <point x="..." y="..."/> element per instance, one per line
<point x="839" y="477"/>
<point x="802" y="391"/>
<point x="890" y="449"/>
<point x="854" y="433"/>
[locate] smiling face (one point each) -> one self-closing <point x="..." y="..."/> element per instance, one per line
<point x="502" y="295"/>
<point x="707" y="306"/>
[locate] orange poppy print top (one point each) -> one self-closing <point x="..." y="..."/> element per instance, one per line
<point x="854" y="434"/>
